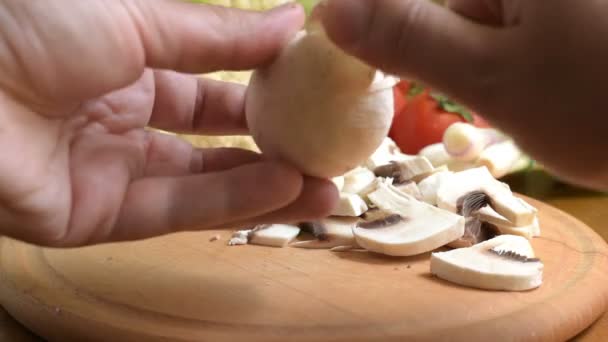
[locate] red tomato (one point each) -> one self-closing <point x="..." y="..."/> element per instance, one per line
<point x="422" y="122"/>
<point x="404" y="86"/>
<point x="400" y="97"/>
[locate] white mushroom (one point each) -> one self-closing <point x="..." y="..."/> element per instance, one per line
<point x="436" y="154"/>
<point x="487" y="214"/>
<point x="409" y="226"/>
<point x="273" y="235"/>
<point x="450" y="195"/>
<point x="466" y="142"/>
<point x="500" y="158"/>
<point x="410" y="188"/>
<point x="506" y="262"/>
<point x="240" y="237"/>
<point x="357" y="179"/>
<point x="387" y="152"/>
<point x="428" y="186"/>
<point x="405" y="169"/>
<point x="319" y="108"/>
<point x="350" y="205"/>
<point x="338" y="182"/>
<point x="329" y="233"/>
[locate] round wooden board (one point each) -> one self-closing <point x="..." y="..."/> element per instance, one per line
<point x="184" y="287"/>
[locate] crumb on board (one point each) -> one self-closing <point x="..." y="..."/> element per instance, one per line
<point x="215" y="238"/>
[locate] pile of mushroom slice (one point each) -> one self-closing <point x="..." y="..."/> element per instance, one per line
<point x="476" y="230"/>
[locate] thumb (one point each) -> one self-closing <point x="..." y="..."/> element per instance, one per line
<point x="419" y="40"/>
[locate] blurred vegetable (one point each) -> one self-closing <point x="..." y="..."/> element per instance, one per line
<point x="425" y="116"/>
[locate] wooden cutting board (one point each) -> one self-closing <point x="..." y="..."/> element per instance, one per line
<point x="186" y="288"/>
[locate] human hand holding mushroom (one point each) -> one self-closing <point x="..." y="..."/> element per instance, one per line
<point x="80" y="82"/>
<point x="532" y="67"/>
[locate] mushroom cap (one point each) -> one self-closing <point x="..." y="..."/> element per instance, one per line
<point x="318" y="108"/>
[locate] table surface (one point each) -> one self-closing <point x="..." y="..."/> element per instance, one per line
<point x="587" y="206"/>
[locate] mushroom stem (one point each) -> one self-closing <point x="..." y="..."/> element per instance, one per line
<point x="436" y="154"/>
<point x="500" y="158"/>
<point x="466" y="142"/>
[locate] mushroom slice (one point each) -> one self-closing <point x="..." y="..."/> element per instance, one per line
<point x="506" y="263"/>
<point x="357" y="179"/>
<point x="338" y="182"/>
<point x="329" y="233"/>
<point x="428" y="186"/>
<point x="240" y="237"/>
<point x="436" y="154"/>
<point x="487" y="214"/>
<point x="409" y="226"/>
<point x="384" y="154"/>
<point x="514" y="209"/>
<point x="409" y="188"/>
<point x="373" y="186"/>
<point x="500" y="158"/>
<point x="406" y="169"/>
<point x="273" y="235"/>
<point x="350" y="205"/>
<point x="475" y="231"/>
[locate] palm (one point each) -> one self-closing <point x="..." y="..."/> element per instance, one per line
<point x="78" y="167"/>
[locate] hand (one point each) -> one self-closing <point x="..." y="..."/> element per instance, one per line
<point x="81" y="80"/>
<point x="535" y="69"/>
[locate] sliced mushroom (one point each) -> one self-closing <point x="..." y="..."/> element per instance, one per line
<point x="240" y="237"/>
<point x="329" y="233"/>
<point x="500" y="158"/>
<point x="350" y="205"/>
<point x="409" y="226"/>
<point x="357" y="180"/>
<point x="373" y="186"/>
<point x="405" y="170"/>
<point x="487" y="214"/>
<point x="475" y="231"/>
<point x="506" y="262"/>
<point x="384" y="154"/>
<point x="409" y="188"/>
<point x="338" y="182"/>
<point x="479" y="179"/>
<point x="428" y="186"/>
<point x="436" y="154"/>
<point x="273" y="235"/>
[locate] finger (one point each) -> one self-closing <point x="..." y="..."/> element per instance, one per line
<point x="189" y="104"/>
<point x="318" y="199"/>
<point x="170" y="156"/>
<point x="193" y="38"/>
<point x="483" y="11"/>
<point x="156" y="206"/>
<point x="422" y="41"/>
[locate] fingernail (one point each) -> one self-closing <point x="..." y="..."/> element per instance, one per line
<point x="346" y="21"/>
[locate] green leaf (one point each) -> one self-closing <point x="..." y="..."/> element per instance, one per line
<point x="452" y="107"/>
<point x="415" y="89"/>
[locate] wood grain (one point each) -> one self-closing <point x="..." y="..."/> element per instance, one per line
<point x="185" y="288"/>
